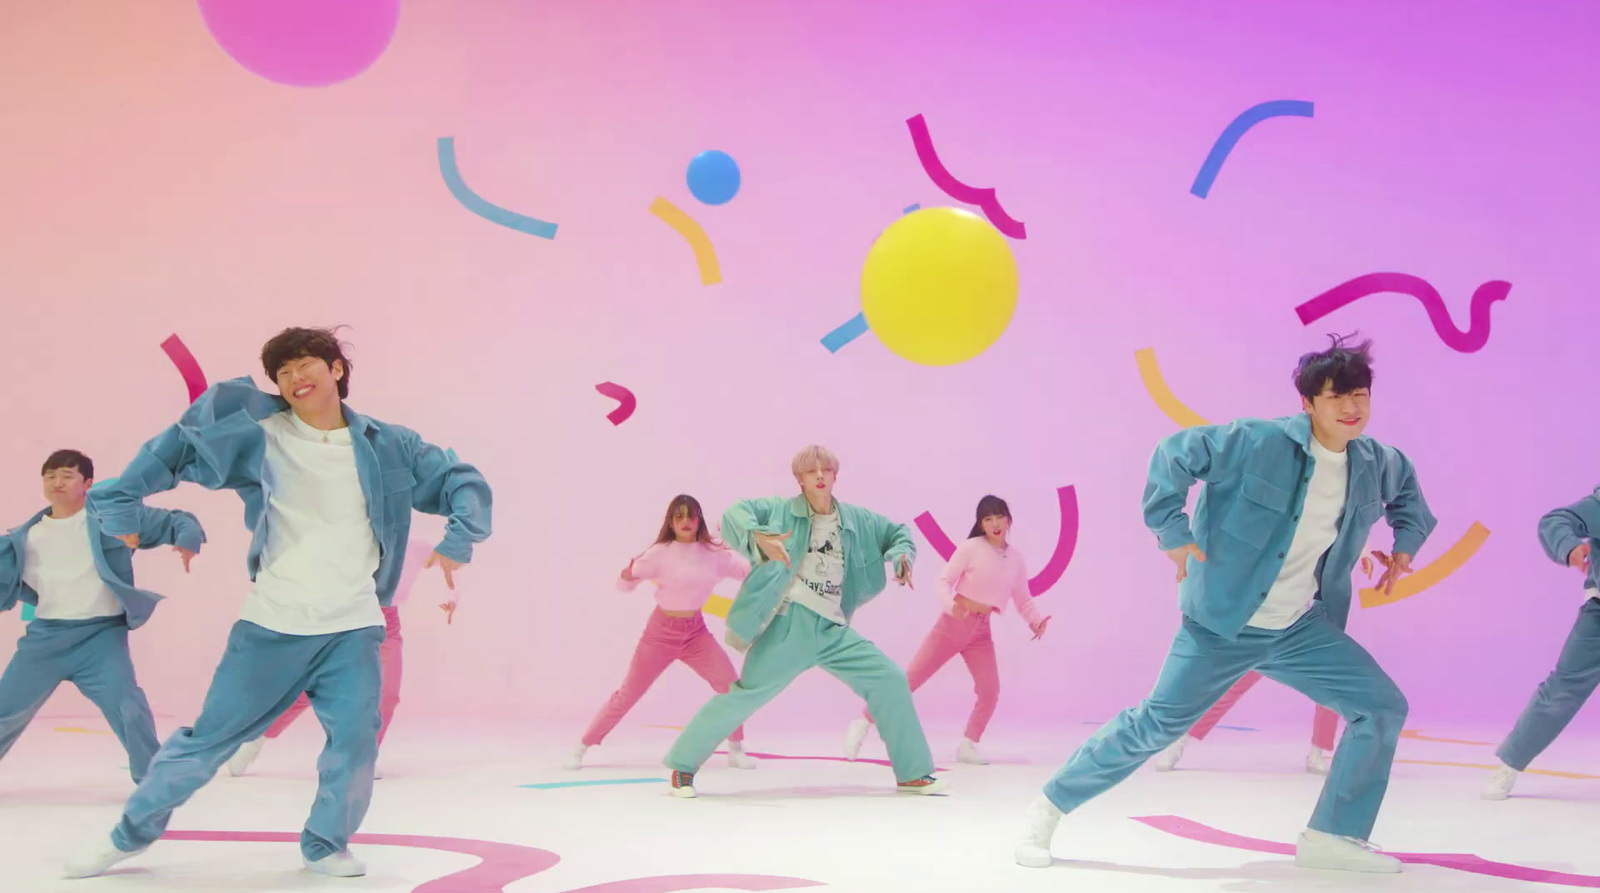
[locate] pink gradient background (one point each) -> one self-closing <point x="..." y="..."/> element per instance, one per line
<point x="153" y="185"/>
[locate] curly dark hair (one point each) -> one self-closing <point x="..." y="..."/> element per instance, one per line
<point x="298" y="343"/>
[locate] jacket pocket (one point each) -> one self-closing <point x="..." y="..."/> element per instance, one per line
<point x="1257" y="512"/>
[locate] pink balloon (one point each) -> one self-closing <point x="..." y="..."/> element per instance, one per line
<point x="303" y="43"/>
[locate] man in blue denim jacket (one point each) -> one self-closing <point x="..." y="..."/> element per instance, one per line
<point x="328" y="496"/>
<point x="1282" y="518"/>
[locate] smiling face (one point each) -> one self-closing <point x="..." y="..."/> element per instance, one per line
<point x="309" y="384"/>
<point x="1337" y="419"/>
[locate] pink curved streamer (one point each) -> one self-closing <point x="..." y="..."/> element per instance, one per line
<point x="984" y="198"/>
<point x="1473" y="339"/>
<point x="1050" y="574"/>
<point x="1192" y="830"/>
<point x="623" y="396"/>
<point x="187" y="365"/>
<point x="677" y="883"/>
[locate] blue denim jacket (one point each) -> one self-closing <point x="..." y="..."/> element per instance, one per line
<point x="1255" y="473"/>
<point x="1565" y="529"/>
<point x="112" y="558"/>
<point x="218" y="443"/>
<point x="870" y="539"/>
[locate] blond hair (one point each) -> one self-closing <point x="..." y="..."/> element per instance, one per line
<point x="814" y="456"/>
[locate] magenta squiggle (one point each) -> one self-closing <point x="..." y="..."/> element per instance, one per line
<point x="1473" y="339"/>
<point x="984" y="198"/>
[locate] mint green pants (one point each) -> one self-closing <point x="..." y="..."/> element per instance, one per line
<point x="794" y="643"/>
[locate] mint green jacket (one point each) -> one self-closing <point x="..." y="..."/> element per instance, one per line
<point x="870" y="540"/>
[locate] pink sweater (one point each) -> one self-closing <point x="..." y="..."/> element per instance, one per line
<point x="978" y="571"/>
<point x="685" y="572"/>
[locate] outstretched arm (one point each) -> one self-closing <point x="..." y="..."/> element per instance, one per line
<point x="1565" y="529"/>
<point x="746" y="518"/>
<point x="170" y="527"/>
<point x="449" y="487"/>
<point x="1404" y="507"/>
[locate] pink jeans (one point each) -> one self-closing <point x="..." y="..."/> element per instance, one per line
<point x="388" y="699"/>
<point x="1323" y="727"/>
<point x="969" y="637"/>
<point x="665" y="640"/>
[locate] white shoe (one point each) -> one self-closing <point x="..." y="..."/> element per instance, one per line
<point x="738" y="759"/>
<point x="94" y="858"/>
<point x="574" y="760"/>
<point x="1501" y="783"/>
<point x="854" y="737"/>
<point x="1331" y="852"/>
<point x="1317" y="761"/>
<point x="927" y="785"/>
<point x="1167" y="760"/>
<point x="1033" y="851"/>
<point x="340" y="864"/>
<point x="967" y="752"/>
<point x="240" y="762"/>
<point x="683" y="785"/>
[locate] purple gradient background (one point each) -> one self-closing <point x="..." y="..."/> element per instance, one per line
<point x="152" y="185"/>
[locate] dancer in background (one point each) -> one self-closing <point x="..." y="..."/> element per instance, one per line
<point x="328" y="496"/>
<point x="684" y="563"/>
<point x="1567" y="535"/>
<point x="80" y="582"/>
<point x="792" y="616"/>
<point x="982" y="573"/>
<point x="1284" y="513"/>
<point x="390" y="655"/>
<point x="1324" y="727"/>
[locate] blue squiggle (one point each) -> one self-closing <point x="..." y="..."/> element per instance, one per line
<point x="1247" y="119"/>
<point x="482" y="207"/>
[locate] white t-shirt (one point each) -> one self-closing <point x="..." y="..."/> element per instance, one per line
<point x="317" y="566"/>
<point x="1290" y="596"/>
<point x="59" y="565"/>
<point x="819" y="583"/>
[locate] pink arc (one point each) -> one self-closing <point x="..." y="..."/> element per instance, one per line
<point x="1050" y="574"/>
<point x="1192" y="830"/>
<point x="623" y="396"/>
<point x="187" y="365"/>
<point x="1473" y="339"/>
<point x="984" y="198"/>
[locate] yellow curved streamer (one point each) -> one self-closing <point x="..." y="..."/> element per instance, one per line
<point x="1435" y="571"/>
<point x="1551" y="772"/>
<point x="1416" y="735"/>
<point x="1424" y="577"/>
<point x="717" y="606"/>
<point x="705" y="256"/>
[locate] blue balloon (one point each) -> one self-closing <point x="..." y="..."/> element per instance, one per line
<point x="713" y="177"/>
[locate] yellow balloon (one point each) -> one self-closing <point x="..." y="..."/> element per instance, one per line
<point x="939" y="286"/>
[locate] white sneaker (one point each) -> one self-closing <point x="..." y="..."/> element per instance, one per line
<point x="240" y="762"/>
<point x="1033" y="851"/>
<point x="738" y="759"/>
<point x="340" y="864"/>
<point x="1331" y="852"/>
<point x="1501" y="783"/>
<point x="1317" y="761"/>
<point x="967" y="752"/>
<point x="1167" y="760"/>
<point x="683" y="785"/>
<point x="94" y="858"/>
<point x="927" y="785"/>
<point x="854" y="737"/>
<point x="574" y="760"/>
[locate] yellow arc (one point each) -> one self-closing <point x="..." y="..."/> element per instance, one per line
<point x="717" y="606"/>
<point x="1424" y="577"/>
<point x="705" y="256"/>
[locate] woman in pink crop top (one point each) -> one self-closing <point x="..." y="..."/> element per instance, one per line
<point x="982" y="573"/>
<point x="684" y="563"/>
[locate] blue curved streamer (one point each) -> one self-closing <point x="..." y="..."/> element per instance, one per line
<point x="1250" y="117"/>
<point x="481" y="206"/>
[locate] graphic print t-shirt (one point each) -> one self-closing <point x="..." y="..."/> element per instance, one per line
<point x="819" y="583"/>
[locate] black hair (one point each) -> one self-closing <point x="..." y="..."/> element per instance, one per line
<point x="298" y="343"/>
<point x="69" y="459"/>
<point x="1346" y="365"/>
<point x="687" y="503"/>
<point x="988" y="505"/>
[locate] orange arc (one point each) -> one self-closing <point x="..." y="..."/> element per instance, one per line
<point x="1424" y="577"/>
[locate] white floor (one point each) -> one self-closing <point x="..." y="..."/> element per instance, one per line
<point x="838" y="825"/>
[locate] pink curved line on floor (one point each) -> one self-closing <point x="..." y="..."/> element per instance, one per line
<point x="187" y="365"/>
<point x="676" y="883"/>
<point x="502" y="863"/>
<point x="1192" y="830"/>
<point x="779" y="756"/>
<point x="1050" y="574"/>
<point x="623" y="396"/>
<point x="1477" y="331"/>
<point x="984" y="198"/>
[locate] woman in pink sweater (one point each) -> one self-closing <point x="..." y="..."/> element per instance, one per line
<point x="684" y="563"/>
<point x="982" y="573"/>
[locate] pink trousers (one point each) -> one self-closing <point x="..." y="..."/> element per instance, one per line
<point x="666" y="639"/>
<point x="969" y="637"/>
<point x="1323" y="727"/>
<point x="388" y="699"/>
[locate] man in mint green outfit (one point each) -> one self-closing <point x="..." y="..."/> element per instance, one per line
<point x="794" y="614"/>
